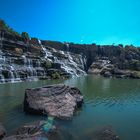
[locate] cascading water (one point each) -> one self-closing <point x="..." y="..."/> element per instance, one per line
<point x="28" y="67"/>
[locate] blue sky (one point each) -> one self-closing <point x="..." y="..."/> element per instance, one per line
<point x="79" y="21"/>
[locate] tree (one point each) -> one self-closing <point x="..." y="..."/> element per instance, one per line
<point x="25" y="36"/>
<point x="3" y="25"/>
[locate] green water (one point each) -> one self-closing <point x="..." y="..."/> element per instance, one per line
<point x="113" y="102"/>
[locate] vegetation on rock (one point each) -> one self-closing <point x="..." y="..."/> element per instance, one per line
<point x="4" y="26"/>
<point x="47" y="64"/>
<point x="25" y="36"/>
<point x="56" y="75"/>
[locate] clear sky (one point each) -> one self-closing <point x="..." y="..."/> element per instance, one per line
<point x="79" y="21"/>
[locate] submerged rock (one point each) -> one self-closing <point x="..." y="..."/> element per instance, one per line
<point x="2" y="131"/>
<point x="55" y="100"/>
<point x="106" y="133"/>
<point x="103" y="133"/>
<point x="35" y="131"/>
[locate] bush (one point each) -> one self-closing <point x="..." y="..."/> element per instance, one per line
<point x="4" y="26"/>
<point x="135" y="64"/>
<point x="25" y="36"/>
<point x="47" y="64"/>
<point x="56" y="75"/>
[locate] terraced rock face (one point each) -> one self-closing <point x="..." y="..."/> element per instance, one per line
<point x="59" y="101"/>
<point x="21" y="60"/>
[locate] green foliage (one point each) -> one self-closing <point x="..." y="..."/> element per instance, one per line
<point x="131" y="48"/>
<point x="56" y="75"/>
<point x="4" y="26"/>
<point x="47" y="64"/>
<point x="25" y="36"/>
<point x="135" y="73"/>
<point x="135" y="64"/>
<point x="34" y="39"/>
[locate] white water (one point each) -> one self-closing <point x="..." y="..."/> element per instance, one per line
<point x="29" y="68"/>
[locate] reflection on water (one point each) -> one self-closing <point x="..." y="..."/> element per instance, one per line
<point x="113" y="102"/>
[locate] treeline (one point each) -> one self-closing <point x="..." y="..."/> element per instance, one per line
<point x="4" y="26"/>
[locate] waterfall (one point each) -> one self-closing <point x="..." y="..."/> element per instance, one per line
<point x="30" y="67"/>
<point x="12" y="77"/>
<point x="68" y="46"/>
<point x="2" y="79"/>
<point x="69" y="65"/>
<point x="73" y="63"/>
<point x="38" y="63"/>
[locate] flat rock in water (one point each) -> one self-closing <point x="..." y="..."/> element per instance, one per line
<point x="59" y="101"/>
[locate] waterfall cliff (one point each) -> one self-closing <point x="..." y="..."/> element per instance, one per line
<point x="20" y="61"/>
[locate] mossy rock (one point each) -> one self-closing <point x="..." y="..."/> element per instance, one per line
<point x="136" y="74"/>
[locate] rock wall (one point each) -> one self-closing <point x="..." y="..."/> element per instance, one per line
<point x="124" y="57"/>
<point x="21" y="60"/>
<point x="30" y="59"/>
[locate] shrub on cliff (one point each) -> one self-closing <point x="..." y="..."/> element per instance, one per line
<point x="135" y="64"/>
<point x="55" y="75"/>
<point x="25" y="36"/>
<point x="4" y="26"/>
<point x="34" y="41"/>
<point x="47" y="64"/>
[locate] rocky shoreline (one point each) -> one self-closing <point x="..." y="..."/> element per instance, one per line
<point x="105" y="68"/>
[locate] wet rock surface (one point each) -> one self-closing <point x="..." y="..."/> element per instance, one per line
<point x="2" y="131"/>
<point x="35" y="131"/>
<point x="104" y="133"/>
<point x="59" y="101"/>
<point x="22" y="60"/>
<point x="106" y="68"/>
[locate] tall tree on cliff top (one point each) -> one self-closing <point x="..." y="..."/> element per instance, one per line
<point x="3" y="25"/>
<point x="25" y="36"/>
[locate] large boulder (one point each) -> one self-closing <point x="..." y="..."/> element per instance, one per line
<point x="2" y="131"/>
<point x="55" y="100"/>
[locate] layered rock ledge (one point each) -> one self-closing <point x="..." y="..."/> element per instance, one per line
<point x="106" y="68"/>
<point x="59" y="101"/>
